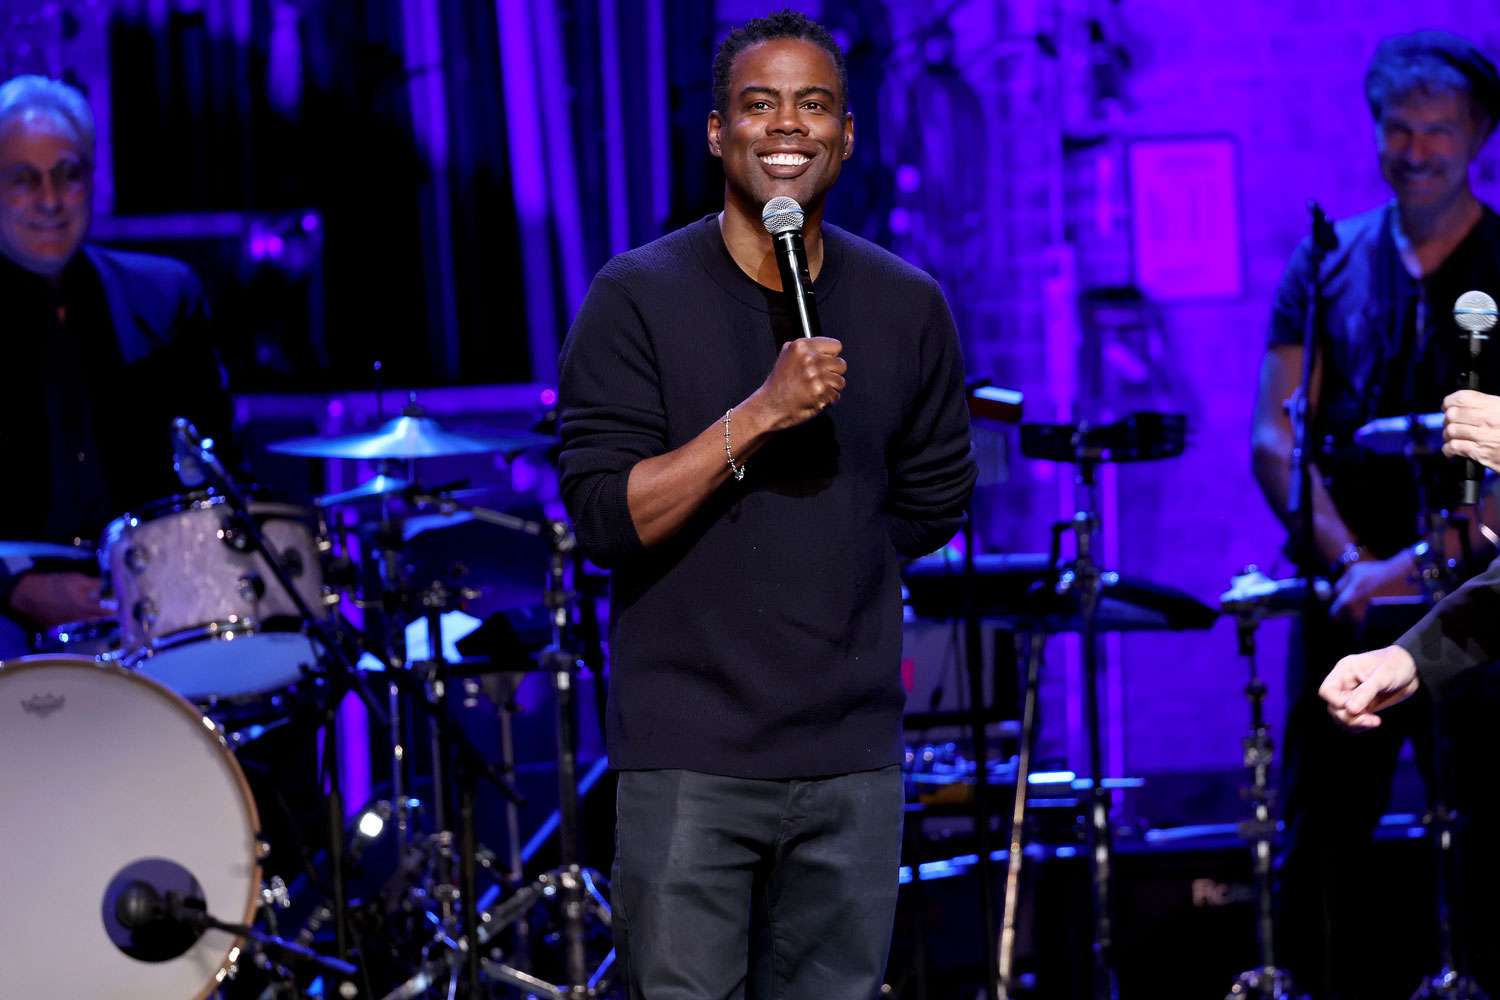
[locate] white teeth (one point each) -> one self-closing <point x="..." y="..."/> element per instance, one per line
<point x="784" y="159"/>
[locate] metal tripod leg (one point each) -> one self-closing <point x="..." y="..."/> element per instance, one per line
<point x="1018" y="814"/>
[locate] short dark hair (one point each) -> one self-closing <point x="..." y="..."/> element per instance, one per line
<point x="782" y="24"/>
<point x="1432" y="63"/>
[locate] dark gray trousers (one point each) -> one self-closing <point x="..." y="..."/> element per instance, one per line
<point x="733" y="888"/>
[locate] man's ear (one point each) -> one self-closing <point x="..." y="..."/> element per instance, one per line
<point x="715" y="127"/>
<point x="848" y="134"/>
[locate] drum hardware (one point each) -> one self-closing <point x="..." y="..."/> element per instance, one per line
<point x="140" y="907"/>
<point x="1416" y="437"/>
<point x="1252" y="598"/>
<point x="424" y="683"/>
<point x="1138" y="437"/>
<point x="340" y="674"/>
<point x="570" y="884"/>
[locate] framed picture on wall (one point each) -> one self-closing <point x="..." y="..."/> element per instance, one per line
<point x="1185" y="217"/>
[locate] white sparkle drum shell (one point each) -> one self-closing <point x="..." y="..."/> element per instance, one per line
<point x="200" y="610"/>
<point x="104" y="769"/>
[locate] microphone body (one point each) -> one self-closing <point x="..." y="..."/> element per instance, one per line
<point x="783" y="219"/>
<point x="1473" y="471"/>
<point x="1474" y="312"/>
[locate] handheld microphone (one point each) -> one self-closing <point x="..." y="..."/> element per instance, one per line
<point x="1474" y="312"/>
<point x="783" y="219"/>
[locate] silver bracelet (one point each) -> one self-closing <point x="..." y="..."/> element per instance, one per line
<point x="738" y="470"/>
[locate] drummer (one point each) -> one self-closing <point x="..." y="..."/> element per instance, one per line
<point x="103" y="348"/>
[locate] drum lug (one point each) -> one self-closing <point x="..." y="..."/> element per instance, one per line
<point x="136" y="559"/>
<point x="263" y="851"/>
<point x="144" y="613"/>
<point x="232" y="538"/>
<point x="252" y="587"/>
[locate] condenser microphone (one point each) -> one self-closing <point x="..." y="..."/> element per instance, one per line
<point x="1474" y="312"/>
<point x="783" y="219"/>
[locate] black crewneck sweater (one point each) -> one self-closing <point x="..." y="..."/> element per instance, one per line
<point x="764" y="639"/>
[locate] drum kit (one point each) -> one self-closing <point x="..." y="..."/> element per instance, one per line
<point x="130" y="828"/>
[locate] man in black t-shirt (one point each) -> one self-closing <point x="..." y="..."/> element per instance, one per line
<point x="1388" y="347"/>
<point x="103" y="349"/>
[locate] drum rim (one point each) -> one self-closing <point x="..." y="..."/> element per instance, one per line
<point x="178" y="503"/>
<point x="47" y="661"/>
<point x="220" y="631"/>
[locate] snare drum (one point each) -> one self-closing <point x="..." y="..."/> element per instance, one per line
<point x="110" y="778"/>
<point x="200" y="610"/>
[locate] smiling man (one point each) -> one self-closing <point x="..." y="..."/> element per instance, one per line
<point x="754" y="492"/>
<point x="102" y="350"/>
<point x="1389" y="348"/>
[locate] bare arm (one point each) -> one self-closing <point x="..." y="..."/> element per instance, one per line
<point x="664" y="491"/>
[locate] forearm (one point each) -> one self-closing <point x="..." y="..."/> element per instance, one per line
<point x="665" y="491"/>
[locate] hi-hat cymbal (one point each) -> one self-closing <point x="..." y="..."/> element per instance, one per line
<point x="1417" y="434"/>
<point x="371" y="489"/>
<point x="44" y="550"/>
<point x="382" y="486"/>
<point x="410" y="437"/>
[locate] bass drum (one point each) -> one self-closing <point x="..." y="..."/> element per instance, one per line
<point x="110" y="779"/>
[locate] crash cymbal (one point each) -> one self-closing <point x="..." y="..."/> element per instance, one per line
<point x="44" y="550"/>
<point x="1417" y="434"/>
<point x="410" y="436"/>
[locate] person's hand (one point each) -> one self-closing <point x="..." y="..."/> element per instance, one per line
<point x="51" y="599"/>
<point x="1371" y="578"/>
<point x="1363" y="684"/>
<point x="808" y="378"/>
<point x="1471" y="427"/>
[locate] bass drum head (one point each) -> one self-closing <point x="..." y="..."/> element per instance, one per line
<point x="108" y="777"/>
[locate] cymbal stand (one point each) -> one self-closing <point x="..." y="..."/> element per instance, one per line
<point x="1266" y="981"/>
<point x="1450" y="981"/>
<point x="572" y="884"/>
<point x="979" y="738"/>
<point x="1085" y="581"/>
<point x="1016" y="857"/>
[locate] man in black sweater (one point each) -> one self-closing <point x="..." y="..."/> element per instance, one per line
<point x="753" y="493"/>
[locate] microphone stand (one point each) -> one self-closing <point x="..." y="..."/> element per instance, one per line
<point x="185" y="912"/>
<point x="342" y="677"/>
<point x="1299" y="502"/>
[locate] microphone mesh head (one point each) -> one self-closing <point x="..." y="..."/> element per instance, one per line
<point x="781" y="214"/>
<point x="1474" y="312"/>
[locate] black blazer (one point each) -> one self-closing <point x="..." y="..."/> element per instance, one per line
<point x="1463" y="631"/>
